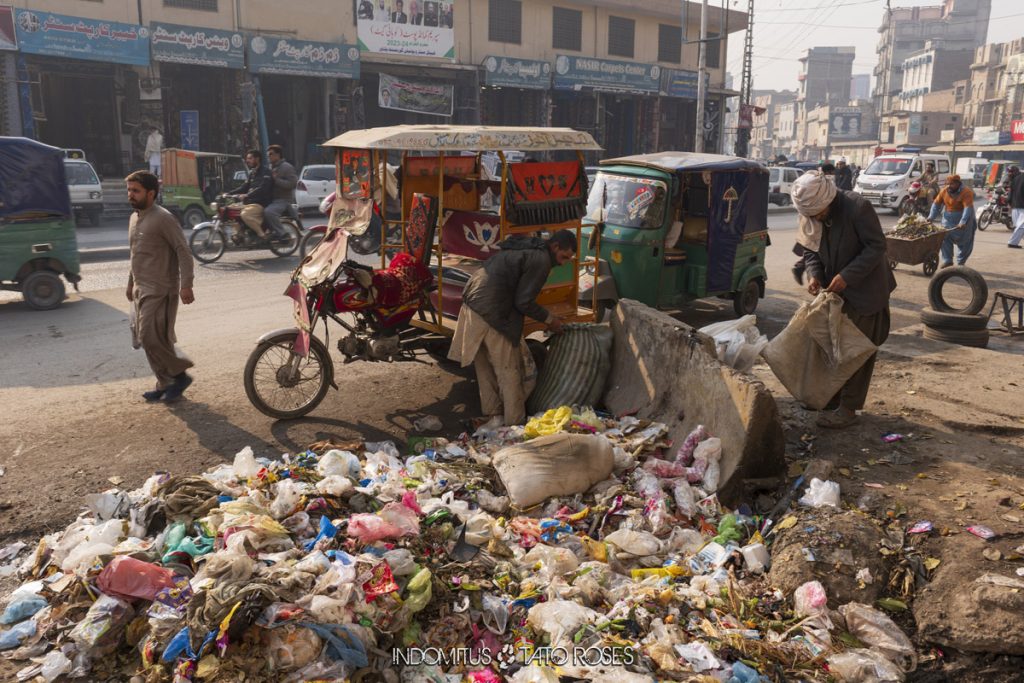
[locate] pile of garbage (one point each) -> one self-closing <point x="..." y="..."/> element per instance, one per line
<point x="594" y="551"/>
<point x="913" y="227"/>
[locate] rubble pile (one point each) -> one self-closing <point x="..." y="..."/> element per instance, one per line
<point x="354" y="561"/>
<point x="913" y="227"/>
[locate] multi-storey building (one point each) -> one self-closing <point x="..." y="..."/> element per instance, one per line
<point x="763" y="135"/>
<point x="928" y="70"/>
<point x="860" y="87"/>
<point x="995" y="91"/>
<point x="101" y="75"/>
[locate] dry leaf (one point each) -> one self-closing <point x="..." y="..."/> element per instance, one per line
<point x="931" y="563"/>
<point x="844" y="471"/>
<point x="992" y="554"/>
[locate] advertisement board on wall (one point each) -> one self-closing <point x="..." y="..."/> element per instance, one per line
<point x="60" y="35"/>
<point x="416" y="28"/>
<point x="194" y="45"/>
<point x="419" y="97"/>
<point x="1017" y="130"/>
<point x="274" y="55"/>
<point x="845" y="122"/>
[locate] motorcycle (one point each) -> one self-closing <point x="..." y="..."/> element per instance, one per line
<point x="283" y="383"/>
<point x="211" y="239"/>
<point x="917" y="201"/>
<point x="365" y="244"/>
<point x="997" y="209"/>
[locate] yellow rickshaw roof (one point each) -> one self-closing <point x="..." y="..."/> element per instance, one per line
<point x="428" y="138"/>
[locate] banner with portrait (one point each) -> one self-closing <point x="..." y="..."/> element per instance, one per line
<point x="416" y="28"/>
<point x="416" y="96"/>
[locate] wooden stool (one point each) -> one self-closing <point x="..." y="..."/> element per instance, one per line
<point x="1010" y="304"/>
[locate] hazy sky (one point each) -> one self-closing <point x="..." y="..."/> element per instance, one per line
<point x="783" y="29"/>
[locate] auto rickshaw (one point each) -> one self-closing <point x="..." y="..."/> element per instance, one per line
<point x="37" y="227"/>
<point x="192" y="180"/>
<point x="677" y="226"/>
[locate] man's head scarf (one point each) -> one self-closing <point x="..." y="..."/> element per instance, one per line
<point x="812" y="193"/>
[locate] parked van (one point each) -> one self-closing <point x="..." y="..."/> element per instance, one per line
<point x="971" y="170"/>
<point x="780" y="184"/>
<point x="85" y="190"/>
<point x="886" y="180"/>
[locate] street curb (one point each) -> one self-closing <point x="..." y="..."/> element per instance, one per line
<point x="103" y="254"/>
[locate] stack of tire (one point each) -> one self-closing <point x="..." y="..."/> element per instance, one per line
<point x="966" y="326"/>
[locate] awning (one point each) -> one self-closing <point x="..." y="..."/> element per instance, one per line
<point x="687" y="161"/>
<point x="948" y="147"/>
<point x="427" y="138"/>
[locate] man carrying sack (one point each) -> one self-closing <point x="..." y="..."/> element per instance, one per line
<point x="845" y="255"/>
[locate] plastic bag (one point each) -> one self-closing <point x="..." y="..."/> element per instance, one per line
<point x="575" y="368"/>
<point x="401" y="516"/>
<point x="110" y="504"/>
<point x="290" y="647"/>
<point x="821" y="493"/>
<point x="495" y="614"/>
<point x="879" y="632"/>
<point x="864" y="666"/>
<point x="684" y="456"/>
<point x="22" y="608"/>
<point x="127" y="578"/>
<point x="339" y="463"/>
<point x="557" y="560"/>
<point x="369" y="528"/>
<point x="55" y="665"/>
<point x="683" y="541"/>
<point x="287" y="498"/>
<point x="535" y="673"/>
<point x="99" y="632"/>
<point x="560" y="618"/>
<point x="401" y="561"/>
<point x="707" y="457"/>
<point x="17" y="634"/>
<point x="420" y="592"/>
<point x="738" y="343"/>
<point x="334" y="485"/>
<point x="809" y="599"/>
<point x="556" y="465"/>
<point x="635" y="543"/>
<point x="698" y="656"/>
<point x="686" y="501"/>
<point x="245" y="465"/>
<point x="551" y="422"/>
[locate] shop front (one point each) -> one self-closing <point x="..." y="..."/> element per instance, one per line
<point x="82" y="84"/>
<point x="616" y="101"/>
<point x="200" y="87"/>
<point x="298" y="86"/>
<point x="516" y="92"/>
<point x="10" y="114"/>
<point x="678" y="121"/>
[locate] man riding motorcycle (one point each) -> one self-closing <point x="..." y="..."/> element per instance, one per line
<point x="930" y="181"/>
<point x="256" y="193"/>
<point x="285" y="180"/>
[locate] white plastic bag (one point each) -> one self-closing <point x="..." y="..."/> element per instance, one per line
<point x="245" y="464"/>
<point x="738" y="343"/>
<point x="560" y="618"/>
<point x="881" y="633"/>
<point x="821" y="493"/>
<point x="341" y="463"/>
<point x="864" y="666"/>
<point x="286" y="500"/>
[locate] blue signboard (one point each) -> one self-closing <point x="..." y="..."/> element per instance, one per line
<point x="59" y="35"/>
<point x="190" y="129"/>
<point x="193" y="45"/>
<point x="679" y="83"/>
<point x="274" y="55"/>
<point x="576" y="73"/>
<point x="508" y="72"/>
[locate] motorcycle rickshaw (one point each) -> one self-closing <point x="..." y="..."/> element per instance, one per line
<point x="453" y="215"/>
<point x="192" y="180"/>
<point x="677" y="226"/>
<point x="37" y="226"/>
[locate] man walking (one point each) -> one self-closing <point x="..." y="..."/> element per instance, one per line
<point x="285" y="180"/>
<point x="956" y="203"/>
<point x="161" y="273"/>
<point x="154" y="144"/>
<point x="256" y="192"/>
<point x="844" y="176"/>
<point x="1016" y="200"/>
<point x="846" y="250"/>
<point x="490" y="327"/>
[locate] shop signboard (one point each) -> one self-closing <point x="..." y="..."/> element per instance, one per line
<point x="289" y="57"/>
<point x="194" y="45"/>
<point x="8" y="37"/>
<point x="60" y="35"/>
<point x="680" y="83"/>
<point x="992" y="137"/>
<point x="416" y="96"/>
<point x="415" y="28"/>
<point x="606" y="75"/>
<point x="914" y="125"/>
<point x="845" y="123"/>
<point x="1017" y="130"/>
<point x="509" y="72"/>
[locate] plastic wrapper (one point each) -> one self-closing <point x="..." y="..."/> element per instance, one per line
<point x="810" y="599"/>
<point x="560" y="618"/>
<point x="286" y="499"/>
<point x="381" y="582"/>
<point x="291" y="647"/>
<point x="100" y="631"/>
<point x="821" y="493"/>
<point x="334" y="485"/>
<point x="684" y="456"/>
<point x="245" y="465"/>
<point x="339" y="463"/>
<point x="875" y="629"/>
<point x="864" y="666"/>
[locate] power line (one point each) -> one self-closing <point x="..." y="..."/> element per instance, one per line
<point x="807" y="9"/>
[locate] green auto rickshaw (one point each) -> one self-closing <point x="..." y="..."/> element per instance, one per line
<point x="192" y="180"/>
<point x="677" y="226"/>
<point x="37" y="226"/>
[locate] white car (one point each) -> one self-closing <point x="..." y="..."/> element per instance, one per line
<point x="316" y="181"/>
<point x="85" y="190"/>
<point x="780" y="184"/>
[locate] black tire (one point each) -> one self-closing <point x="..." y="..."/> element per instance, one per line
<point x="207" y="244"/>
<point x="953" y="321"/>
<point x="745" y="302"/>
<point x="930" y="265"/>
<point x="310" y="240"/>
<point x="975" y="338"/>
<point x="979" y="290"/>
<point x="984" y="219"/>
<point x="287" y="248"/>
<point x="192" y="217"/>
<point x="280" y="346"/>
<point x="786" y="200"/>
<point x="43" y="290"/>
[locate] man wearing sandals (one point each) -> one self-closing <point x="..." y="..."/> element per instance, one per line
<point x="846" y="249"/>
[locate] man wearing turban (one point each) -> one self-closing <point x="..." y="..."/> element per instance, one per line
<point x="845" y="254"/>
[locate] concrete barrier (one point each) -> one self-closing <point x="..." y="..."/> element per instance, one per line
<point x="666" y="371"/>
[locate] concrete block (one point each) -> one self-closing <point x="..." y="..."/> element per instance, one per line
<point x="666" y="371"/>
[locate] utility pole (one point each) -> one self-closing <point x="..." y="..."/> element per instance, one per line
<point x="746" y="88"/>
<point x="702" y="94"/>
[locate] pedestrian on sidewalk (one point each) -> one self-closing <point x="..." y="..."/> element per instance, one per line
<point x="154" y="144"/>
<point x="161" y="272"/>
<point x="1016" y="200"/>
<point x="956" y="204"/>
<point x="846" y="249"/>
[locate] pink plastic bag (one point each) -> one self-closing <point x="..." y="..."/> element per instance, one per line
<point x="664" y="469"/>
<point x="394" y="521"/>
<point x="684" y="456"/>
<point x="126" y="577"/>
<point x="409" y="501"/>
<point x="810" y="599"/>
<point x="402" y="517"/>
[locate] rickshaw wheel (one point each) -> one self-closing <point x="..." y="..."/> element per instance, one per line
<point x="282" y="385"/>
<point x="745" y="302"/>
<point x="43" y="290"/>
<point x="192" y="217"/>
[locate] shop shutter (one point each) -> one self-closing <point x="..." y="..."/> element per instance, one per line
<point x="505" y="21"/>
<point x="620" y="36"/>
<point x="566" y="29"/>
<point x="670" y="44"/>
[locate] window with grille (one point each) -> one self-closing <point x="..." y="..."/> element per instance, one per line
<point x="670" y="44"/>
<point x="620" y="36"/>
<point x="505" y="21"/>
<point x="566" y="29"/>
<point x="204" y="5"/>
<point x="714" y="53"/>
